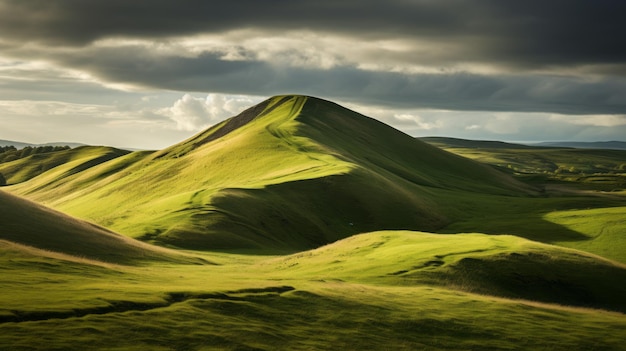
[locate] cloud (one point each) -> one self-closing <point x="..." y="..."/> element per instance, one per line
<point x="489" y="125"/>
<point x="455" y="54"/>
<point x="194" y="114"/>
<point x="142" y="67"/>
<point x="592" y="120"/>
<point x="555" y="69"/>
<point x="523" y="34"/>
<point x="95" y="124"/>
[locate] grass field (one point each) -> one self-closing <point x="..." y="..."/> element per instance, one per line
<point x="350" y="295"/>
<point x="300" y="225"/>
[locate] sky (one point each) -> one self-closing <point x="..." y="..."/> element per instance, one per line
<point x="149" y="73"/>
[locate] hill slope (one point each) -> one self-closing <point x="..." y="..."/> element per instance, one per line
<point x="500" y="265"/>
<point x="30" y="224"/>
<point x="291" y="173"/>
<point x="376" y="291"/>
<point x="72" y="160"/>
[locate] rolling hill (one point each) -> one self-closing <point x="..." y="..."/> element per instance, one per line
<point x="391" y="289"/>
<point x="69" y="161"/>
<point x="291" y="173"/>
<point x="445" y="142"/>
<point x="496" y="265"/>
<point x="606" y="145"/>
<point x="21" y="145"/>
<point x="33" y="226"/>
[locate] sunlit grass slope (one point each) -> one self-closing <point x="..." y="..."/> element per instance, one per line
<point x="291" y="173"/>
<point x="376" y="291"/>
<point x="604" y="230"/>
<point x="499" y="265"/>
<point x="71" y="161"/>
<point x="33" y="225"/>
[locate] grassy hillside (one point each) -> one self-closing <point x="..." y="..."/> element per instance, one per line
<point x="38" y="227"/>
<point x="444" y="142"/>
<point x="288" y="174"/>
<point x="73" y="160"/>
<point x="606" y="145"/>
<point x="499" y="265"/>
<point x="376" y="291"/>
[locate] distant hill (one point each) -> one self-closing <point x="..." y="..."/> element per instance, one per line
<point x="291" y="173"/>
<point x="609" y="145"/>
<point x="446" y="142"/>
<point x="599" y="165"/>
<point x="465" y="143"/>
<point x="21" y="145"/>
<point x="72" y="161"/>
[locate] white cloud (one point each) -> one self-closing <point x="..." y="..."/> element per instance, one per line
<point x="592" y="120"/>
<point x="415" y="121"/>
<point x="194" y="113"/>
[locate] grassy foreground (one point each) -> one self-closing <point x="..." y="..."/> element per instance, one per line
<point x="349" y="295"/>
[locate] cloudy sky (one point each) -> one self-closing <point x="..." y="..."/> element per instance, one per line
<point x="149" y="73"/>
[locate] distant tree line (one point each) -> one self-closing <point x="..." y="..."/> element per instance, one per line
<point x="11" y="153"/>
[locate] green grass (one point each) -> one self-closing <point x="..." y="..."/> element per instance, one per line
<point x="603" y="228"/>
<point x="495" y="265"/>
<point x="344" y="296"/>
<point x="36" y="226"/>
<point x="68" y="162"/>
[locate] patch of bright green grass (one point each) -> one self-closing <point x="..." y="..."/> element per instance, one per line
<point x="604" y="229"/>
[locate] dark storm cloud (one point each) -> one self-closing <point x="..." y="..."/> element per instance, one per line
<point x="525" y="34"/>
<point x="563" y="56"/>
<point x="455" y="91"/>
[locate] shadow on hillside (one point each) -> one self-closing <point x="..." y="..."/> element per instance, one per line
<point x="526" y="217"/>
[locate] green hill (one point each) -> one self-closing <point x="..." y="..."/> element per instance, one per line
<point x="498" y="265"/>
<point x="33" y="225"/>
<point x="445" y="142"/>
<point x="291" y="173"/>
<point x="73" y="160"/>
